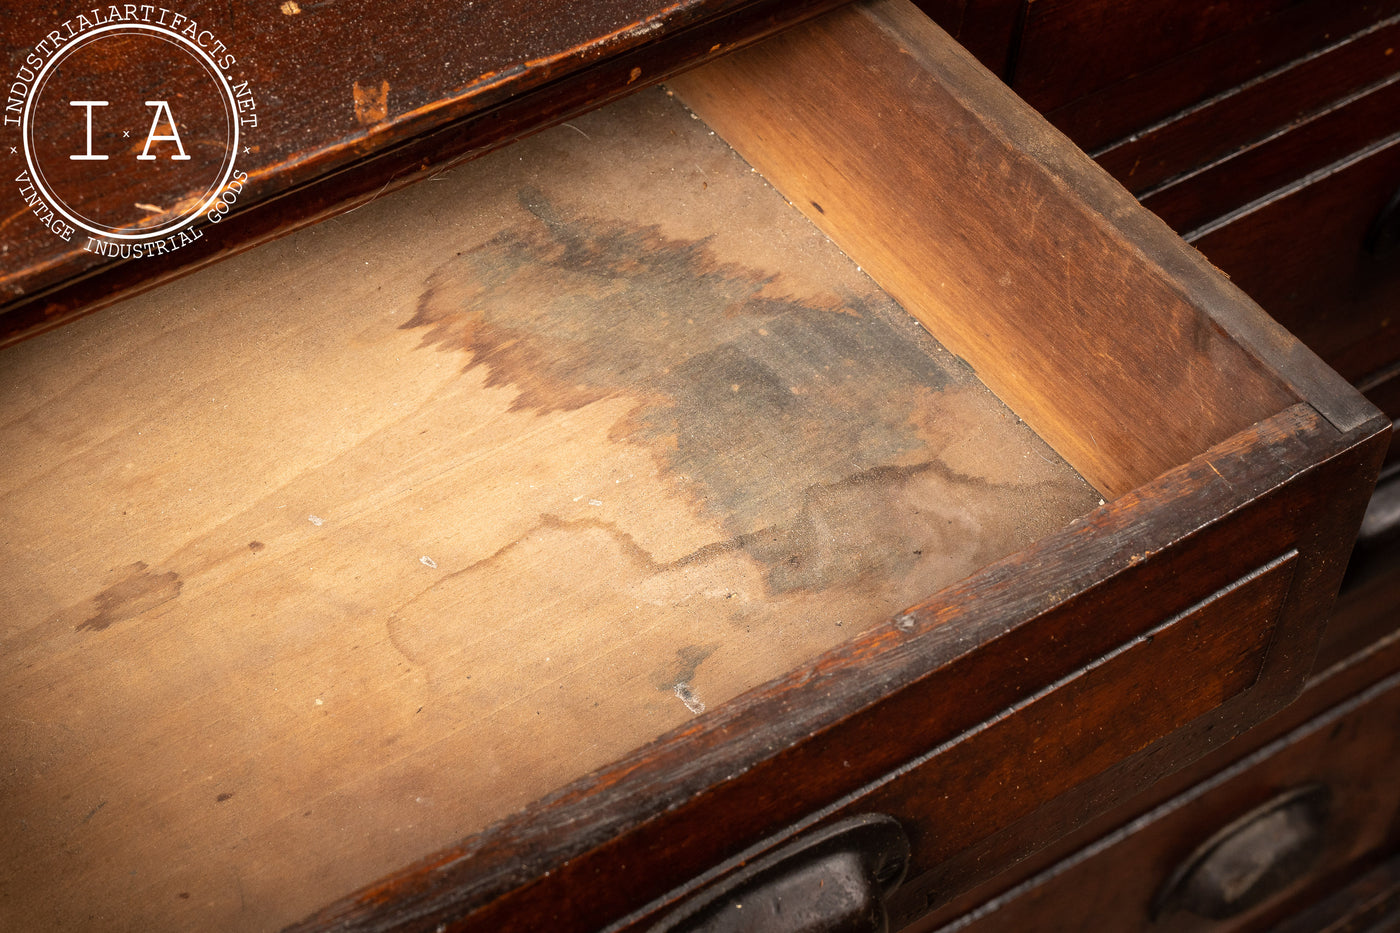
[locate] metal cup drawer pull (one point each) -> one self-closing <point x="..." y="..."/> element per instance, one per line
<point x="1250" y="860"/>
<point x="835" y="880"/>
<point x="1383" y="236"/>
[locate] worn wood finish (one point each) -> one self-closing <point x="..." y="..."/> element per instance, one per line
<point x="1351" y="750"/>
<point x="1223" y="546"/>
<point x="456" y="87"/>
<point x="915" y="691"/>
<point x="1260" y="110"/>
<point x="1336" y="682"/>
<point x="869" y="121"/>
<point x="584" y="359"/>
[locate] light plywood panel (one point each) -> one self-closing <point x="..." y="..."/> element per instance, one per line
<point x="324" y="557"/>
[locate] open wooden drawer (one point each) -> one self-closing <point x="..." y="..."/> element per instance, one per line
<point x="584" y="531"/>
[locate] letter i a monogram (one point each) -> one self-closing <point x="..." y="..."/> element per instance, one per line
<point x="162" y="111"/>
<point x="162" y="107"/>
<point x="89" y="104"/>
<point x="99" y="77"/>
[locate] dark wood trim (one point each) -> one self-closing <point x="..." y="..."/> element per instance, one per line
<point x="1347" y="682"/>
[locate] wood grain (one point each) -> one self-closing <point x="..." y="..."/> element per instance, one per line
<point x="447" y="84"/>
<point x="811" y="747"/>
<point x="873" y="123"/>
<point x="325" y="556"/>
<point x="1350" y="749"/>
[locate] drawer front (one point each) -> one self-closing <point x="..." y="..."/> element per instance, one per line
<point x="1088" y="722"/>
<point x="1304" y="116"/>
<point x="1199" y="197"/>
<point x="1303" y="254"/>
<point x="1101" y="70"/>
<point x="1233" y="850"/>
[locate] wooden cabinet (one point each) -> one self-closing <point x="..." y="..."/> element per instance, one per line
<point x="1308" y="805"/>
<point x="817" y="471"/>
<point x="1264" y="133"/>
<point x="1258" y="130"/>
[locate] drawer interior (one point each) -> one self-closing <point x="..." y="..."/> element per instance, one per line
<point x="325" y="556"/>
<point x="392" y="526"/>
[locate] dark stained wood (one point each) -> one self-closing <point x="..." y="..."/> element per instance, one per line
<point x="1365" y="611"/>
<point x="990" y="30"/>
<point x="1252" y="113"/>
<point x="1382" y="388"/>
<point x="1351" y="752"/>
<point x="1341" y="301"/>
<point x="1049" y="73"/>
<point x="1378" y="542"/>
<point x="896" y="160"/>
<point x="1338" y="682"/>
<point x="946" y="13"/>
<point x="1090" y="722"/>
<point x="1204" y="194"/>
<point x="1021" y="837"/>
<point x="1163" y="73"/>
<point x="1369" y="904"/>
<point x="457" y="88"/>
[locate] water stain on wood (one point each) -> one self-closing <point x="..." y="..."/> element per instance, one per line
<point x="735" y="381"/>
<point x="801" y="425"/>
<point x="139" y="591"/>
<point x="682" y="669"/>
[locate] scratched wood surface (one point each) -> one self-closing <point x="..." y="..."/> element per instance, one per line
<point x="322" y="558"/>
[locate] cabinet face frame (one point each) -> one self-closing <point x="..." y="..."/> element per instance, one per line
<point x="1224" y="447"/>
